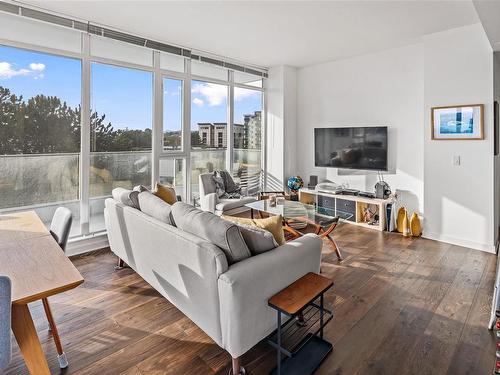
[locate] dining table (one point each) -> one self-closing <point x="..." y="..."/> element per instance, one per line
<point x="38" y="269"/>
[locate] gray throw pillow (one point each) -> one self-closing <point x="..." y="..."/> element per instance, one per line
<point x="134" y="198"/>
<point x="156" y="207"/>
<point x="258" y="240"/>
<point x="122" y="195"/>
<point x="212" y="228"/>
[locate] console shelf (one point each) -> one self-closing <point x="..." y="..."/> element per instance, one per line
<point x="355" y="204"/>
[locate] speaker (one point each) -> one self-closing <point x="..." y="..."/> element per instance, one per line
<point x="313" y="181"/>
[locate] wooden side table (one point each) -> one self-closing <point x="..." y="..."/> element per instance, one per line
<point x="300" y="338"/>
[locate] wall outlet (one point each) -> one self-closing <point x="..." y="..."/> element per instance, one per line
<point x="456" y="160"/>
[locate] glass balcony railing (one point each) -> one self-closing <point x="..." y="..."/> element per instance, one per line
<point x="44" y="182"/>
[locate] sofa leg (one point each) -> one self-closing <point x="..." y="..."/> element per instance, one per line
<point x="120" y="265"/>
<point x="236" y="367"/>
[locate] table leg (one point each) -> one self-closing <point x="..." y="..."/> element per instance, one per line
<point x="251" y="213"/>
<point x="61" y="356"/>
<point x="278" y="368"/>
<point x="321" y="317"/>
<point x="27" y="339"/>
<point x="337" y="250"/>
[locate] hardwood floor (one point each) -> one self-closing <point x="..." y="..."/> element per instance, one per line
<point x="402" y="306"/>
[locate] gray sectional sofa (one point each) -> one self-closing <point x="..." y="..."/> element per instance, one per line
<point x="227" y="300"/>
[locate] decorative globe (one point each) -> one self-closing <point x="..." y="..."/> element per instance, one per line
<point x="295" y="183"/>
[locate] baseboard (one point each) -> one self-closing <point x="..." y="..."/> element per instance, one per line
<point x="83" y="245"/>
<point x="489" y="248"/>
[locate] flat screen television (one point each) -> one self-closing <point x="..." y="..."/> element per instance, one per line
<point x="362" y="148"/>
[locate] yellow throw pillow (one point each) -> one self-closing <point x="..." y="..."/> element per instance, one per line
<point x="273" y="224"/>
<point x="165" y="192"/>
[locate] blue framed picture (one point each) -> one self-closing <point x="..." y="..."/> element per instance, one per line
<point x="458" y="122"/>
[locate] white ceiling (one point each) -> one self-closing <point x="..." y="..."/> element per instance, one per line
<point x="296" y="33"/>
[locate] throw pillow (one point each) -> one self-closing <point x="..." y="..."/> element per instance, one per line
<point x="165" y="192"/>
<point x="134" y="198"/>
<point x="258" y="240"/>
<point x="212" y="228"/>
<point x="273" y="224"/>
<point x="225" y="186"/>
<point x="140" y="188"/>
<point x="122" y="195"/>
<point x="153" y="206"/>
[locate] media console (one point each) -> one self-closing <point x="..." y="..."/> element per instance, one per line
<point x="349" y="203"/>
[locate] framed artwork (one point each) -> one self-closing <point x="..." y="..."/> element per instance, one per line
<point x="463" y="122"/>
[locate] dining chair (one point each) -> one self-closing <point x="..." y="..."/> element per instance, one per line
<point x="5" y="313"/>
<point x="59" y="229"/>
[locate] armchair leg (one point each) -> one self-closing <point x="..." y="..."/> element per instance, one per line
<point x="61" y="356"/>
<point x="236" y="368"/>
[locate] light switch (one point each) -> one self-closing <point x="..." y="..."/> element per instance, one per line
<point x="456" y="160"/>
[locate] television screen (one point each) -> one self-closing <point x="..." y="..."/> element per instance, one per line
<point x="351" y="148"/>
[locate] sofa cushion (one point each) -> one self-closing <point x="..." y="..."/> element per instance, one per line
<point x="212" y="228"/>
<point x="258" y="240"/>
<point x="165" y="192"/>
<point x="229" y="204"/>
<point x="273" y="224"/>
<point x="153" y="206"/>
<point x="122" y="195"/>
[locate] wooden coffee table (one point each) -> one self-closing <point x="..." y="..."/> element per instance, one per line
<point x="300" y="338"/>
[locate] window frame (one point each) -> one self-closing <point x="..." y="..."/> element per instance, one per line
<point x="158" y="74"/>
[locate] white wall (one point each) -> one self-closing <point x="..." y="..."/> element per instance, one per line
<point x="396" y="88"/>
<point x="281" y="91"/>
<point x="385" y="88"/>
<point x="459" y="200"/>
<point x="496" y="95"/>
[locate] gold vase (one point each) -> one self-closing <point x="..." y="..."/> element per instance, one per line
<point x="415" y="226"/>
<point x="406" y="224"/>
<point x="400" y="219"/>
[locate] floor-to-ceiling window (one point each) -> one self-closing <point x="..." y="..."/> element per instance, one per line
<point x="81" y="114"/>
<point x="209" y="128"/>
<point x="120" y="133"/>
<point x="247" y="133"/>
<point x="39" y="131"/>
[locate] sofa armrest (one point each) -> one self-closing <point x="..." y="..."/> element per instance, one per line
<point x="208" y="202"/>
<point x="247" y="285"/>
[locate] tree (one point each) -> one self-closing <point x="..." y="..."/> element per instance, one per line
<point x="45" y="124"/>
<point x="9" y="115"/>
<point x="196" y="140"/>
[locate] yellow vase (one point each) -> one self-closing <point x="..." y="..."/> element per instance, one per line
<point x="400" y="219"/>
<point x="406" y="225"/>
<point x="415" y="226"/>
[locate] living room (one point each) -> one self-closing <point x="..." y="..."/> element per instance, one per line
<point x="249" y="187"/>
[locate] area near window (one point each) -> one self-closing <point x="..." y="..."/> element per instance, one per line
<point x="121" y="136"/>
<point x="248" y="138"/>
<point x="39" y="132"/>
<point x="209" y="114"/>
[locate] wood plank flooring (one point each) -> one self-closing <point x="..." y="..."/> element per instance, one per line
<point x="402" y="306"/>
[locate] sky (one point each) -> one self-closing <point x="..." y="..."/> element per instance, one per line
<point x="124" y="95"/>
